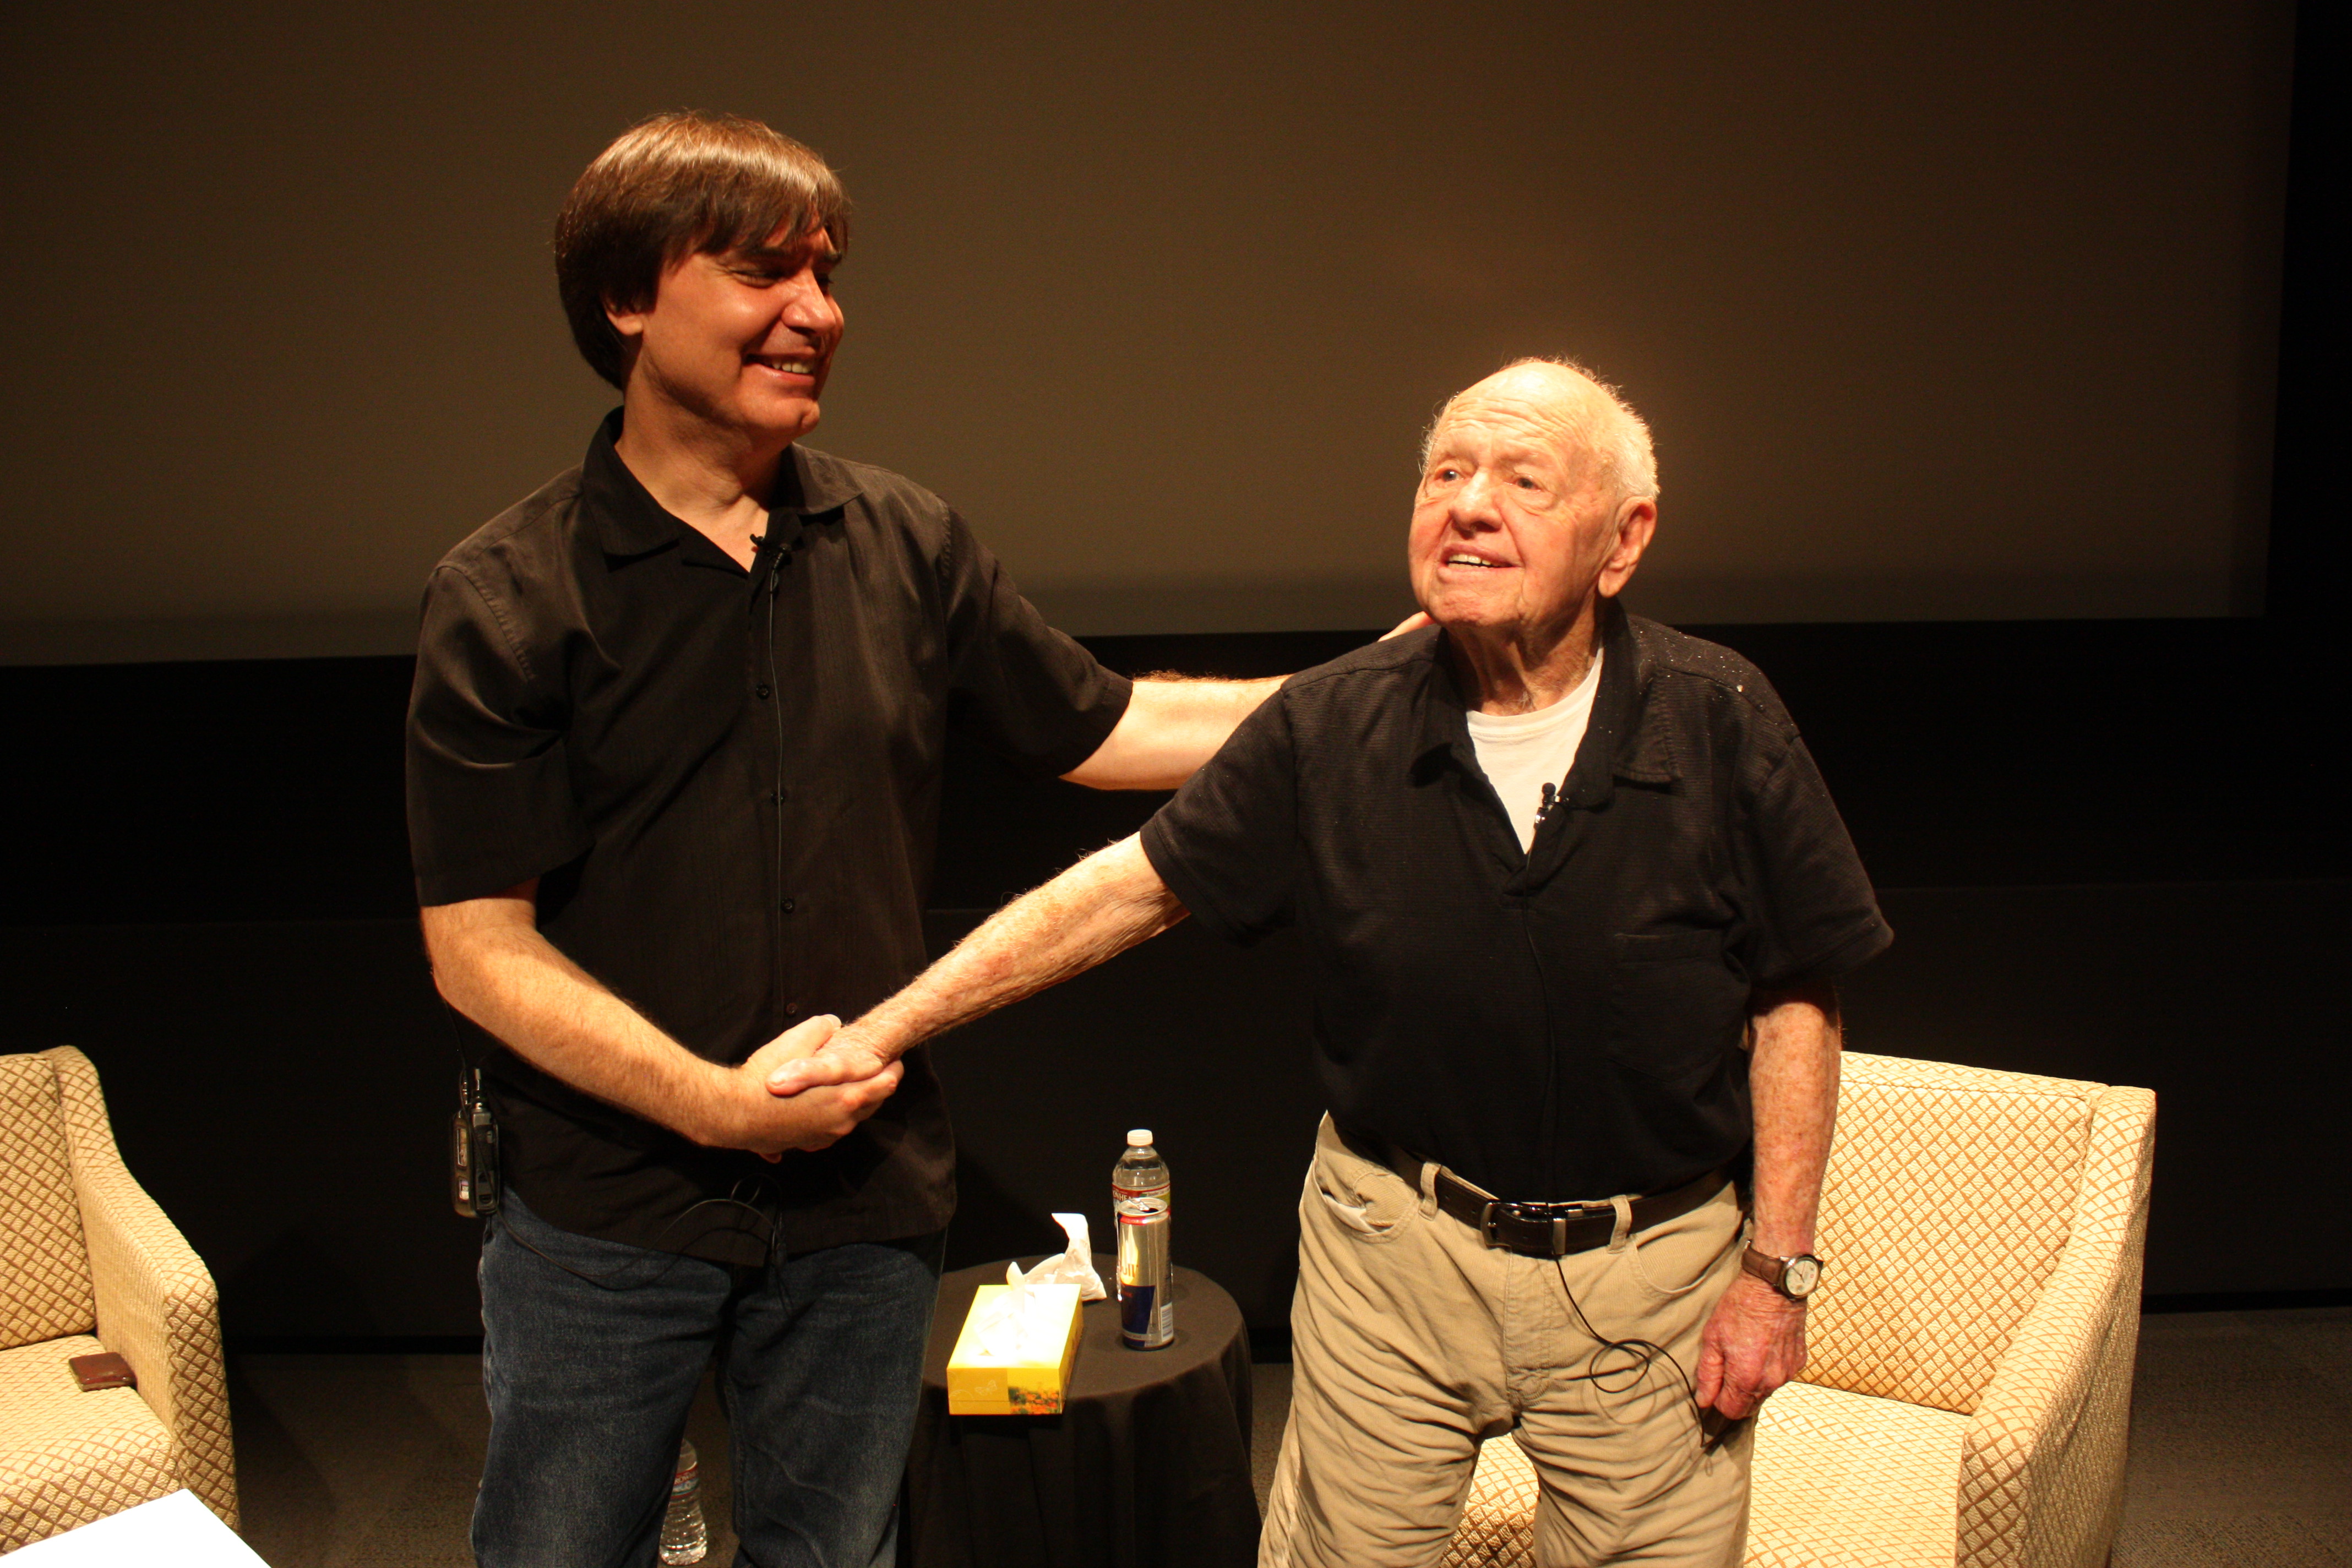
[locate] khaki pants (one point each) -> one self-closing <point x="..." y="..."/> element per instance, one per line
<point x="1411" y="1341"/>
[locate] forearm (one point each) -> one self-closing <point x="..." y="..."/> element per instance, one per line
<point x="1172" y="724"/>
<point x="1096" y="909"/>
<point x="1754" y="1340"/>
<point x="1793" y="1078"/>
<point x="510" y="979"/>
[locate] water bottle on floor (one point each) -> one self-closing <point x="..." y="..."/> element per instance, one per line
<point x="684" y="1536"/>
<point x="1147" y="1274"/>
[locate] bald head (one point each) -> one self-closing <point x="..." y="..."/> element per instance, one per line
<point x="1604" y="442"/>
<point x="1537" y="500"/>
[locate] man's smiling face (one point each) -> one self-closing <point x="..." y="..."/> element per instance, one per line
<point x="741" y="340"/>
<point x="1514" y="525"/>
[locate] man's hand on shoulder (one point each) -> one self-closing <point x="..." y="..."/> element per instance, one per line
<point x="1754" y="1343"/>
<point x="749" y="1117"/>
<point x="1173" y="723"/>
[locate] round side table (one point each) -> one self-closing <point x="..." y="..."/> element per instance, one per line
<point x="1148" y="1464"/>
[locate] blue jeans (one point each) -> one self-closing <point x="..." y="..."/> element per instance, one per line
<point x="819" y="1359"/>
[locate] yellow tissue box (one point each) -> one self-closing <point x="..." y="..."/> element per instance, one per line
<point x="1035" y="1378"/>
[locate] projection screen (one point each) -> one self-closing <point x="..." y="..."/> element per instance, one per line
<point x="1945" y="311"/>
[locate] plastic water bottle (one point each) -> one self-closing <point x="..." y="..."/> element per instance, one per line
<point x="684" y="1536"/>
<point x="1147" y="1274"/>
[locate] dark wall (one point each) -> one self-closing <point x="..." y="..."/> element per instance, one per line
<point x="2109" y="849"/>
<point x="1962" y="755"/>
<point x="1869" y="268"/>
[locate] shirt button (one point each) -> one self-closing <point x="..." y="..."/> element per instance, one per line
<point x="761" y="691"/>
<point x="792" y="1009"/>
<point x="788" y="906"/>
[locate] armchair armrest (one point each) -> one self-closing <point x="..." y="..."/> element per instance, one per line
<point x="2041" y="1462"/>
<point x="157" y="1306"/>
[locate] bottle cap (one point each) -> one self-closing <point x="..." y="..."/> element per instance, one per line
<point x="1139" y="1138"/>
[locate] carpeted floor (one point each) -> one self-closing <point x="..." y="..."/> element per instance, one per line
<point x="2241" y="1457"/>
<point x="2241" y="1453"/>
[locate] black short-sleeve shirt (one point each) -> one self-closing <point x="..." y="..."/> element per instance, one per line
<point x="727" y="784"/>
<point x="1556" y="1024"/>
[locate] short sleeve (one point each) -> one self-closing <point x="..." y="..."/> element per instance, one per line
<point x="1030" y="692"/>
<point x="1227" y="845"/>
<point x="1813" y="915"/>
<point x="490" y="802"/>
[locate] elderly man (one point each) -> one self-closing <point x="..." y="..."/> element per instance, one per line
<point x="1557" y="866"/>
<point x="675" y="754"/>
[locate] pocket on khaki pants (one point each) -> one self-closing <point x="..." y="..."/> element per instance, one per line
<point x="1675" y="1257"/>
<point x="1361" y="1196"/>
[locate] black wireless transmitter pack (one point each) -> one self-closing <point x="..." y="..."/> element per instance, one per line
<point x="473" y="1150"/>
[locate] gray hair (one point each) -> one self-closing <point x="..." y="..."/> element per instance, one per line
<point x="1629" y="467"/>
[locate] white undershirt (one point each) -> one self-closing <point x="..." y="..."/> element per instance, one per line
<point x="1521" y="752"/>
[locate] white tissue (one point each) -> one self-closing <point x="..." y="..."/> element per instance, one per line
<point x="1074" y="1265"/>
<point x="1015" y="1318"/>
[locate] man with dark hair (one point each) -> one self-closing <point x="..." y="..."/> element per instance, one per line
<point x="673" y="758"/>
<point x="1557" y="866"/>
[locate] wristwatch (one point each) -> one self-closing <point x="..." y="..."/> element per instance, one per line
<point x="1795" y="1277"/>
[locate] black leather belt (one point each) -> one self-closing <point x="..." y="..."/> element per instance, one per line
<point x="1556" y="1230"/>
<point x="1543" y="1230"/>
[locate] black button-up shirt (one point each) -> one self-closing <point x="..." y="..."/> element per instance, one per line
<point x="727" y="784"/>
<point x="1556" y="1024"/>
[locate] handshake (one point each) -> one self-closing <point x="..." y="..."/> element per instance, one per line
<point x="806" y="1089"/>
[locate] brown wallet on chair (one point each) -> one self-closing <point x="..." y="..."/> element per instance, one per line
<point x="105" y="1370"/>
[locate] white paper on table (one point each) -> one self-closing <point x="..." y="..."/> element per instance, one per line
<point x="1075" y="1264"/>
<point x="176" y="1529"/>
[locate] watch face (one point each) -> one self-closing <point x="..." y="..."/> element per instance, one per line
<point x="1801" y="1274"/>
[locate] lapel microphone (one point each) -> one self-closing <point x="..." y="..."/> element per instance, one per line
<point x="777" y="554"/>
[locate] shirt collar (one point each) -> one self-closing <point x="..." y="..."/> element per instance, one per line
<point x="630" y="522"/>
<point x="1634" y="750"/>
<point x="1617" y="744"/>
<point x="812" y="484"/>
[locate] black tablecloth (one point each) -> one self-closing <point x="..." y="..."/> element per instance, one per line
<point x="1149" y="1464"/>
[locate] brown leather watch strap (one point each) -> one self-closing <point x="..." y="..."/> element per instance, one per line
<point x="1773" y="1270"/>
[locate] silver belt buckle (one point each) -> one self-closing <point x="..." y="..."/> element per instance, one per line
<point x="1560" y="1223"/>
<point x="1561" y="1214"/>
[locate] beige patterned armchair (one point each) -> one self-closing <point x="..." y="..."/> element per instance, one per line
<point x="1970" y="1385"/>
<point x="87" y="1263"/>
